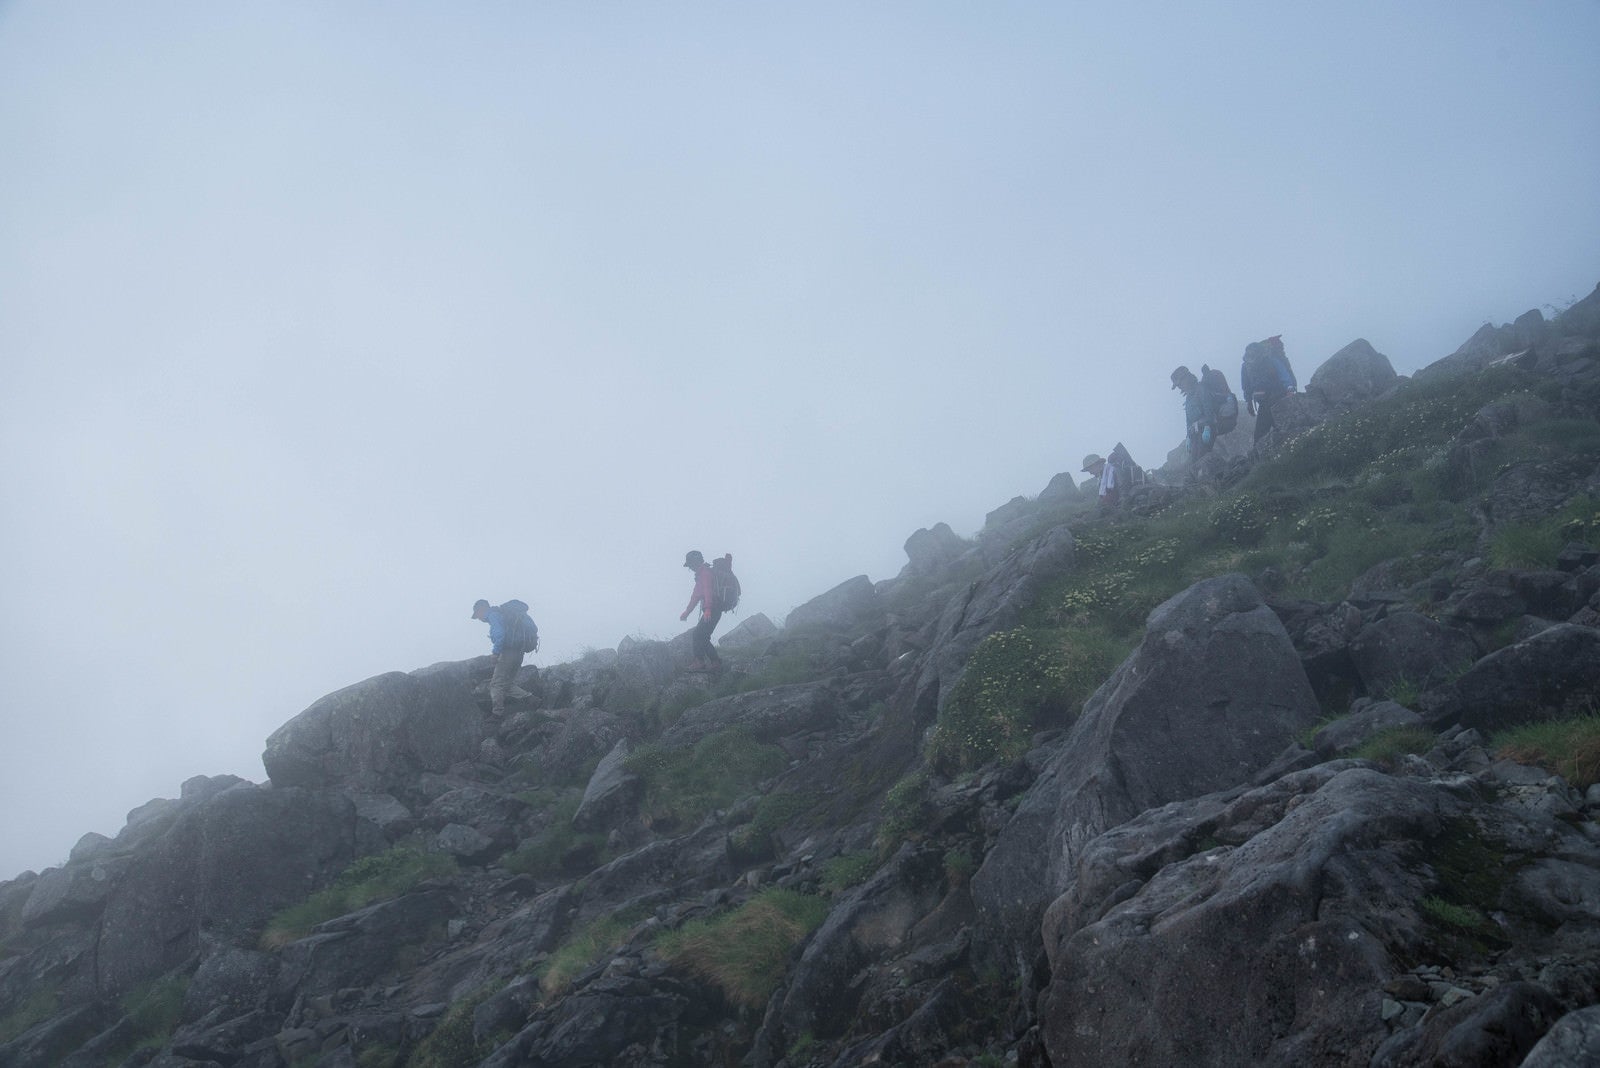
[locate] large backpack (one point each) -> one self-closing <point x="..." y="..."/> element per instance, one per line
<point x="1226" y="404"/>
<point x="724" y="585"/>
<point x="521" y="631"/>
<point x="1130" y="474"/>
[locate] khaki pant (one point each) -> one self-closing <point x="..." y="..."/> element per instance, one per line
<point x="503" y="682"/>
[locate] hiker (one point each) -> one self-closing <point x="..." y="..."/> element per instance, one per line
<point x="716" y="591"/>
<point x="1265" y="378"/>
<point x="513" y="635"/>
<point x="1199" y="413"/>
<point x="1118" y="474"/>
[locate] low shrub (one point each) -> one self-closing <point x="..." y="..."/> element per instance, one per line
<point x="745" y="952"/>
<point x="379" y="877"/>
<point x="1452" y="915"/>
<point x="843" y="872"/>
<point x="753" y="841"/>
<point x="902" y="811"/>
<point x="1015" y="682"/>
<point x="1568" y="747"/>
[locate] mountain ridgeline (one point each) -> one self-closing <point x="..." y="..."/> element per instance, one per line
<point x="1288" y="760"/>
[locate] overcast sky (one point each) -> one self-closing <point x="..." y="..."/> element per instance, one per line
<point x="319" y="321"/>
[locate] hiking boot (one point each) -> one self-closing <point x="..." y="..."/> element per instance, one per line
<point x="696" y="665"/>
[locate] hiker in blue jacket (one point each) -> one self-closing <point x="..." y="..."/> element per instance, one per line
<point x="1265" y="378"/>
<point x="1199" y="413"/>
<point x="512" y="636"/>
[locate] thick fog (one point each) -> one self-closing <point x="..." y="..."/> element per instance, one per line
<point x="320" y="321"/>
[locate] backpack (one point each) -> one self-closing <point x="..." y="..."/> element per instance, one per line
<point x="724" y="585"/>
<point x="1130" y="474"/>
<point x="1222" y="398"/>
<point x="521" y="630"/>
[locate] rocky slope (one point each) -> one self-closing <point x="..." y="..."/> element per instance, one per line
<point x="905" y="830"/>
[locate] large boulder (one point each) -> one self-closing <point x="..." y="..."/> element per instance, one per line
<point x="768" y="714"/>
<point x="847" y="604"/>
<point x="1409" y="647"/>
<point x="749" y="633"/>
<point x="931" y="548"/>
<point x="224" y="867"/>
<point x="1352" y="376"/>
<point x="378" y="736"/>
<point x="612" y="792"/>
<point x="1213" y="693"/>
<point x="1552" y="674"/>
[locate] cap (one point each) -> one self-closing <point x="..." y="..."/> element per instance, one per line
<point x="693" y="558"/>
<point x="478" y="606"/>
<point x="1180" y="372"/>
<point x="1092" y="459"/>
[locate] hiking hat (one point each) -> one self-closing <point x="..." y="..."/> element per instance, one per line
<point x="477" y="606"/>
<point x="1092" y="459"/>
<point x="693" y="558"/>
<point x="1181" y="372"/>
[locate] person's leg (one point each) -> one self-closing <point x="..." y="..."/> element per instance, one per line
<point x="506" y="666"/>
<point x="1264" y="423"/>
<point x="712" y="659"/>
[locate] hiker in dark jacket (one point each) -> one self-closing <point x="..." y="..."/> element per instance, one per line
<point x="1199" y="413"/>
<point x="704" y="595"/>
<point x="512" y="636"/>
<point x="1265" y="378"/>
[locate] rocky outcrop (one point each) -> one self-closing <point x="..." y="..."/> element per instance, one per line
<point x="1194" y="870"/>
<point x="846" y="605"/>
<point x="1354" y="375"/>
<point x="1211" y="695"/>
<point x="379" y="735"/>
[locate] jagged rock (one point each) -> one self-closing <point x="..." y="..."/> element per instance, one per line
<point x="1310" y="886"/>
<point x="621" y="1021"/>
<point x="1366" y="718"/>
<point x="225" y="866"/>
<point x="1488" y="344"/>
<point x="1408" y="647"/>
<point x="750" y="632"/>
<point x="1543" y="677"/>
<point x="355" y="949"/>
<point x="230" y="980"/>
<point x="493" y="816"/>
<point x="1014" y="509"/>
<point x="1352" y="376"/>
<point x="48" y="1044"/>
<point x="581" y="736"/>
<point x="1530" y="491"/>
<point x="466" y="843"/>
<point x="1212" y="695"/>
<point x="1500" y="1027"/>
<point x="612" y="793"/>
<point x="76" y="892"/>
<point x="378" y="735"/>
<point x="995" y="602"/>
<point x="222" y="1041"/>
<point x="1061" y="489"/>
<point x="1573" y="1041"/>
<point x="1322" y="635"/>
<point x="768" y="714"/>
<point x="676" y="867"/>
<point x="847" y="604"/>
<point x="872" y="918"/>
<point x="932" y="548"/>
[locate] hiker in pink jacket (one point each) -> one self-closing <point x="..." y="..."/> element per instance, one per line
<point x="705" y="654"/>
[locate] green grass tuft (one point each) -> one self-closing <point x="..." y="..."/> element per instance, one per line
<point x="745" y="952"/>
<point x="843" y="872"/>
<point x="1568" y="747"/>
<point x="1388" y="746"/>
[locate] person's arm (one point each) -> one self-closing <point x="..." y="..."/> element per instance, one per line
<point x="697" y="596"/>
<point x="497" y="630"/>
